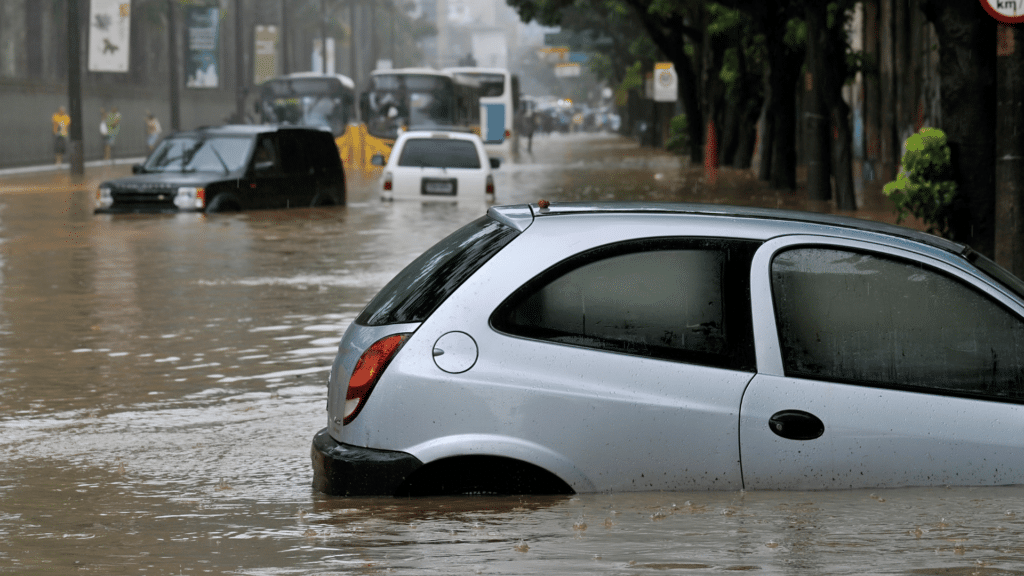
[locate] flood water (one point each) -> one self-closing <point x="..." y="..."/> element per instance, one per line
<point x="162" y="377"/>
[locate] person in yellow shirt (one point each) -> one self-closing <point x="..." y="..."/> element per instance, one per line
<point x="61" y="121"/>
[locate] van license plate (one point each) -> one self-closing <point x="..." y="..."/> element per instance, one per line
<point x="438" y="187"/>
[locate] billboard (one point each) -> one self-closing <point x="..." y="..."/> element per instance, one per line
<point x="265" y="62"/>
<point x="109" y="29"/>
<point x="666" y="82"/>
<point x="202" y="63"/>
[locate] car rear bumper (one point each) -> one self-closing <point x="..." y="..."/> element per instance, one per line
<point x="344" y="470"/>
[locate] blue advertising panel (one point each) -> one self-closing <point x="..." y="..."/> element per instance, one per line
<point x="495" y="128"/>
<point x="202" y="63"/>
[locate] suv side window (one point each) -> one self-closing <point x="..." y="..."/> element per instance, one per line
<point x="674" y="299"/>
<point x="265" y="159"/>
<point x="869" y="319"/>
<point x="295" y="155"/>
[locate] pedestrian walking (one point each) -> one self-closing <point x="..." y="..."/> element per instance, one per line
<point x="529" y="124"/>
<point x="112" y="121"/>
<point x="153" y="130"/>
<point x="61" y="121"/>
<point x="103" y="129"/>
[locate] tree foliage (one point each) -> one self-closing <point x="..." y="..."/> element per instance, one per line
<point x="924" y="186"/>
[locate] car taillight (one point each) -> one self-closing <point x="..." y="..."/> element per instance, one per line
<point x="368" y="371"/>
<point x="387" y="181"/>
<point x="490" y="184"/>
<point x="508" y="134"/>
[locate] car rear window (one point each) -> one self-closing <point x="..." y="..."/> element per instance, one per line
<point x="423" y="285"/>
<point x="441" y="153"/>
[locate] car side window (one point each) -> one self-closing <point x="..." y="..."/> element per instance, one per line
<point x="265" y="158"/>
<point x="672" y="299"/>
<point x="849" y="316"/>
<point x="295" y="157"/>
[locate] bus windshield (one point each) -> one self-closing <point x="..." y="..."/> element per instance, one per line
<point x="410" y="101"/>
<point x="490" y="84"/>
<point x="317" y="102"/>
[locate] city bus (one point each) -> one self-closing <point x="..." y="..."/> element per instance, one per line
<point x="499" y="105"/>
<point x="327" y="101"/>
<point x="419" y="99"/>
<point x="396" y="100"/>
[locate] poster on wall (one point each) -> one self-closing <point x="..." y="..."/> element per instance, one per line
<point x="266" y="54"/>
<point x="202" y="64"/>
<point x="109" y="28"/>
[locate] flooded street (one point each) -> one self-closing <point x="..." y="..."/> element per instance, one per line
<point x="162" y="377"/>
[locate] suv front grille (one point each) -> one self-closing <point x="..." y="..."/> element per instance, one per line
<point x="147" y="194"/>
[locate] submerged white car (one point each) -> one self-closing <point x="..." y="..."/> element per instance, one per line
<point x="437" y="165"/>
<point x="622" y="347"/>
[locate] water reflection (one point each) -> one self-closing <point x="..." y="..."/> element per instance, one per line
<point x="161" y="378"/>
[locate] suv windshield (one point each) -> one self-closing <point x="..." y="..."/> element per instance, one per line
<point x="424" y="284"/>
<point x="439" y="153"/>
<point x="200" y="154"/>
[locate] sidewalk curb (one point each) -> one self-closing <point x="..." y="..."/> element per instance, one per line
<point x="66" y="166"/>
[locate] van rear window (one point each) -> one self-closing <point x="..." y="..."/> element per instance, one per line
<point x="423" y="285"/>
<point x="439" y="153"/>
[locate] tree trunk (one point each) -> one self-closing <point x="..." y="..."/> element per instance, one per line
<point x="1009" y="247"/>
<point x="967" y="55"/>
<point x="778" y="140"/>
<point x="747" y="135"/>
<point x="842" y="156"/>
<point x="833" y="78"/>
<point x="765" y="138"/>
<point x="817" y="124"/>
<point x="691" y="106"/>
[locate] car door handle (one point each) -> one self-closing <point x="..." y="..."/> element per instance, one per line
<point x="796" y="425"/>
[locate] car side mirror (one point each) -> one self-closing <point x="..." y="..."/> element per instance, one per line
<point x="264" y="166"/>
<point x="377" y="159"/>
<point x="137" y="169"/>
<point x="495" y="162"/>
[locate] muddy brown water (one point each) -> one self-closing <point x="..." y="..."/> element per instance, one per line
<point x="161" y="378"/>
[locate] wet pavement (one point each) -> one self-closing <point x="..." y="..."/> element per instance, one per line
<point x="162" y="376"/>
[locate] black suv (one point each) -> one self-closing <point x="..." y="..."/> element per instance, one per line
<point x="231" y="168"/>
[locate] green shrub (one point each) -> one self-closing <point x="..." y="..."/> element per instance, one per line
<point x="678" y="135"/>
<point x="924" y="187"/>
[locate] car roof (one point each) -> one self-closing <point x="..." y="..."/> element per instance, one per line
<point x="345" y="80"/>
<point x="476" y="70"/>
<point x="520" y="217"/>
<point x="245" y="129"/>
<point x="423" y="71"/>
<point x="441" y="134"/>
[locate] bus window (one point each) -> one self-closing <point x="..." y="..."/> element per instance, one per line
<point x="410" y="101"/>
<point x="323" y="102"/>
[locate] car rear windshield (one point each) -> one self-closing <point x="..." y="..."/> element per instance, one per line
<point x="423" y="285"/>
<point x="440" y="153"/>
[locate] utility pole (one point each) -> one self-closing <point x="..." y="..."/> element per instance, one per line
<point x="76" y="152"/>
<point x="283" y="40"/>
<point x="352" y="40"/>
<point x="239" y="64"/>
<point x="173" y="64"/>
<point x="374" y="55"/>
<point x="1010" y="148"/>
<point x="323" y="37"/>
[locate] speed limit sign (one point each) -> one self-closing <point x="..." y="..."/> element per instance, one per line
<point x="1008" y="11"/>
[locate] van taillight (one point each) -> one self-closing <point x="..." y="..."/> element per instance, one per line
<point x="367" y="372"/>
<point x="508" y="134"/>
<point x="490" y="184"/>
<point x="387" y="181"/>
